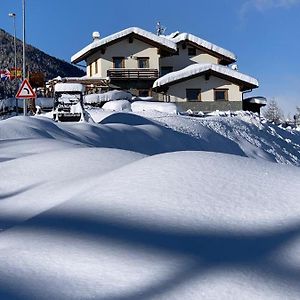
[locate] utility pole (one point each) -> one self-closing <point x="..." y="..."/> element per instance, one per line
<point x="13" y="15"/>
<point x="24" y="62"/>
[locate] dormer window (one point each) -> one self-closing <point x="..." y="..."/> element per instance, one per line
<point x="192" y="51"/>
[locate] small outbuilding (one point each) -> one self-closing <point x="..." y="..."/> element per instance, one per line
<point x="254" y="103"/>
<point x="205" y="87"/>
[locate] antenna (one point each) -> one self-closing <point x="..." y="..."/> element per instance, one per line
<point x="160" y="29"/>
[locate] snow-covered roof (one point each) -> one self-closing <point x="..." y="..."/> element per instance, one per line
<point x="69" y="87"/>
<point x="256" y="100"/>
<point x="201" y="68"/>
<point x="202" y="43"/>
<point x="138" y="31"/>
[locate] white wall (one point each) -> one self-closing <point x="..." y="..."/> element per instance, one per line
<point x="183" y="59"/>
<point x="123" y="49"/>
<point x="177" y="91"/>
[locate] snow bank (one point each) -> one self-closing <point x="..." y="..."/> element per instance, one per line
<point x="117" y="105"/>
<point x="98" y="114"/>
<point x="200" y="68"/>
<point x="123" y="101"/>
<point x="254" y="138"/>
<point x="81" y="221"/>
<point x="147" y="138"/>
<point x="108" y="96"/>
<point x="139" y="106"/>
<point x="206" y="232"/>
<point x="91" y="99"/>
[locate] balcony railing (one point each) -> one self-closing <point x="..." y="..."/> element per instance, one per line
<point x="125" y="74"/>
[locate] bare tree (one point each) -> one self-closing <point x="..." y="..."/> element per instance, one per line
<point x="273" y="112"/>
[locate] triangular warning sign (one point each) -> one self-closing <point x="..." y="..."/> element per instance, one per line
<point x="25" y="91"/>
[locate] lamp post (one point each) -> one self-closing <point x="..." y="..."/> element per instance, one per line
<point x="24" y="63"/>
<point x="13" y="15"/>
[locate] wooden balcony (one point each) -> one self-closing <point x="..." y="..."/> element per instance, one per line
<point x="132" y="74"/>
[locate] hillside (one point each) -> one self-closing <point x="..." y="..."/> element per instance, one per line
<point x="38" y="61"/>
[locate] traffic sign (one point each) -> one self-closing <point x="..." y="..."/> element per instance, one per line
<point x="25" y="91"/>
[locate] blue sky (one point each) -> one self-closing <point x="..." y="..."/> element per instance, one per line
<point x="264" y="34"/>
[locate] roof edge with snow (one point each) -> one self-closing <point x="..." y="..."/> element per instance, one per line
<point x="162" y="41"/>
<point x="199" y="69"/>
<point x="182" y="37"/>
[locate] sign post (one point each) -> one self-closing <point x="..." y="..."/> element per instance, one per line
<point x="24" y="63"/>
<point x="25" y="92"/>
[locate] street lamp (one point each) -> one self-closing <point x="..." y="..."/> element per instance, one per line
<point x="13" y="15"/>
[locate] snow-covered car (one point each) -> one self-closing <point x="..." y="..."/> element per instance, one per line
<point x="68" y="102"/>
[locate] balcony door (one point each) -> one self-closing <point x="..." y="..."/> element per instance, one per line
<point x="119" y="62"/>
<point x="143" y="62"/>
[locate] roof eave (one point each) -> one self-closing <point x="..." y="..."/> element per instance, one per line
<point x="224" y="59"/>
<point x="133" y="34"/>
<point x="244" y="85"/>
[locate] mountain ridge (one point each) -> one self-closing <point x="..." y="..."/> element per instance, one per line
<point x="36" y="61"/>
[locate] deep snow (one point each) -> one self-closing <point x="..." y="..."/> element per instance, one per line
<point x="163" y="207"/>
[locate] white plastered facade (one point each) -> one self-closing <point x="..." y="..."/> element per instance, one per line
<point x="177" y="91"/>
<point x="123" y="48"/>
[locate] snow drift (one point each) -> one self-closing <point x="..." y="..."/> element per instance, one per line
<point x="107" y="96"/>
<point x="163" y="207"/>
<point x="132" y="238"/>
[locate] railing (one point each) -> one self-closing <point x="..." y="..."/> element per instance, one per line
<point x="121" y="74"/>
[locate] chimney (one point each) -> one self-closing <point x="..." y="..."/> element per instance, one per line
<point x="96" y="35"/>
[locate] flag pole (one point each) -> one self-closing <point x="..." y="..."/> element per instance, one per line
<point x="13" y="15"/>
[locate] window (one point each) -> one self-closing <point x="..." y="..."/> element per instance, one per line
<point x="118" y="62"/>
<point x="143" y="62"/>
<point x="221" y="94"/>
<point x="90" y="70"/>
<point x="96" y="66"/>
<point x="192" y="51"/>
<point x="165" y="70"/>
<point x="193" y="94"/>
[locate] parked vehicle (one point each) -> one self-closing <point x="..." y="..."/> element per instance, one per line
<point x="68" y="102"/>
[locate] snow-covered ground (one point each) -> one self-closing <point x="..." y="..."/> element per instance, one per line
<point x="149" y="206"/>
<point x="255" y="138"/>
